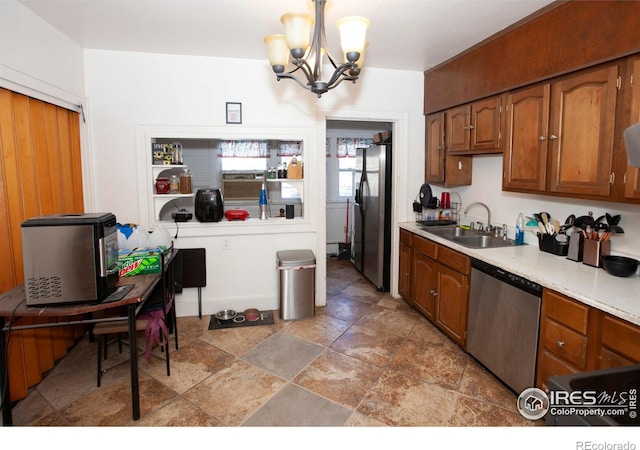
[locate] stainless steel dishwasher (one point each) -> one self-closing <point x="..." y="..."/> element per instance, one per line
<point x="504" y="320"/>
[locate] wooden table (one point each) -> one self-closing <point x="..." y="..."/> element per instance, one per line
<point x="13" y="306"/>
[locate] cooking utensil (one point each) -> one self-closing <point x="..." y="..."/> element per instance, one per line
<point x="543" y="229"/>
<point x="619" y="266"/>
<point x="550" y="229"/>
<point x="545" y="218"/>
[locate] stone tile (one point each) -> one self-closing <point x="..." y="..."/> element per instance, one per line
<point x="425" y="331"/>
<point x="111" y="405"/>
<point x="283" y="355"/>
<point x="233" y="394"/>
<point x="480" y="384"/>
<point x="470" y="412"/>
<point x="398" y="400"/>
<point x="338" y="377"/>
<point x="31" y="409"/>
<point x="179" y="413"/>
<point x="360" y="420"/>
<point x="432" y="364"/>
<point x="362" y="290"/>
<point x="346" y="308"/>
<point x="294" y="406"/>
<point x="321" y="330"/>
<point x="238" y="341"/>
<point x="394" y="321"/>
<point x="195" y="361"/>
<point x="368" y="344"/>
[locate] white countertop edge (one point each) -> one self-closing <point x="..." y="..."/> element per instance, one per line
<point x="592" y="286"/>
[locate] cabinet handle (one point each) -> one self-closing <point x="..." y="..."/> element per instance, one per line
<point x="434" y="293"/>
<point x="469" y="127"/>
<point x="560" y="344"/>
<point x="553" y="137"/>
<point x="541" y="138"/>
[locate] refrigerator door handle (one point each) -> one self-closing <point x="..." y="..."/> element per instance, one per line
<point x="364" y="194"/>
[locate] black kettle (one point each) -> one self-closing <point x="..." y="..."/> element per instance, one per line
<point x="209" y="205"/>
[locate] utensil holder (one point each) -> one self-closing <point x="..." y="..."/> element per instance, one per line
<point x="576" y="247"/>
<point x="548" y="243"/>
<point x="594" y="250"/>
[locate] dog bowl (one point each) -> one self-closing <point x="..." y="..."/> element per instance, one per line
<point x="251" y="314"/>
<point x="619" y="266"/>
<point x="225" y="315"/>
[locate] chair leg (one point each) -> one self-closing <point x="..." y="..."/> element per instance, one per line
<point x="99" y="374"/>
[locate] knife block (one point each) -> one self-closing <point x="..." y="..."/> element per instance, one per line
<point x="593" y="250"/>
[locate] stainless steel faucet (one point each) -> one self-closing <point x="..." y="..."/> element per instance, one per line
<point x="485" y="207"/>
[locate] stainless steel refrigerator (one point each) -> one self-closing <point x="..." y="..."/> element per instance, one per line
<point x="371" y="251"/>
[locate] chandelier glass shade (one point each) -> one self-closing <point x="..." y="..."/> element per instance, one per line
<point x="308" y="50"/>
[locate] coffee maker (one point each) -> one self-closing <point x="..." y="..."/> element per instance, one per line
<point x="209" y="205"/>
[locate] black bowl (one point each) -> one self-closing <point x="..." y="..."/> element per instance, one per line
<point x="620" y="266"/>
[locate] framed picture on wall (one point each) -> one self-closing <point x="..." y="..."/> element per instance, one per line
<point x="234" y="112"/>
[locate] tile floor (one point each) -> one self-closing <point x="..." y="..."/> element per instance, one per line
<point x="366" y="359"/>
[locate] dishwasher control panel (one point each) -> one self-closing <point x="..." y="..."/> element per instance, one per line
<point x="508" y="277"/>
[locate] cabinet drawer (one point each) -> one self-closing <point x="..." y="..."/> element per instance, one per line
<point x="425" y="246"/>
<point x="566" y="311"/>
<point x="457" y="261"/>
<point x="406" y="237"/>
<point x="622" y="337"/>
<point x="550" y="365"/>
<point x="566" y="344"/>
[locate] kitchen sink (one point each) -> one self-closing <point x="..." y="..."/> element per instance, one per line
<point x="482" y="241"/>
<point x="451" y="232"/>
<point x="470" y="238"/>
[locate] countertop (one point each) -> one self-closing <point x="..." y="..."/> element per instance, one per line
<point x="592" y="286"/>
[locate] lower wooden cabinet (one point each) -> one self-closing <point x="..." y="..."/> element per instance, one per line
<point x="439" y="284"/>
<point x="575" y="337"/>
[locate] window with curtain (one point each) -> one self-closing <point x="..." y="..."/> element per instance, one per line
<point x="346" y="155"/>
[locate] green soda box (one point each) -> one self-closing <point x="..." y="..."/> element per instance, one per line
<point x="139" y="261"/>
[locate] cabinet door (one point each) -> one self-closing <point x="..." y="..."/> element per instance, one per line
<point x="581" y="132"/>
<point x="618" y="343"/>
<point x="404" y="278"/>
<point x="457" y="136"/>
<point x="452" y="303"/>
<point x="485" y="124"/>
<point x="525" y="154"/>
<point x="434" y="151"/>
<point x="632" y="177"/>
<point x="424" y="284"/>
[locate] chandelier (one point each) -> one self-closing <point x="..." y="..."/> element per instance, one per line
<point x="308" y="53"/>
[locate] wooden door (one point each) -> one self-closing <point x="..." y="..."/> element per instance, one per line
<point x="40" y="173"/>
<point x="525" y="154"/>
<point x="485" y="125"/>
<point x="434" y="149"/>
<point x="457" y="129"/>
<point x="424" y="284"/>
<point x="452" y="303"/>
<point x="632" y="175"/>
<point x="581" y="131"/>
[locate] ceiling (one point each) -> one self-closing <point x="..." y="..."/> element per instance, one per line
<point x="404" y="34"/>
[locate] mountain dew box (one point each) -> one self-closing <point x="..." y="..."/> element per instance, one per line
<point x="140" y="261"/>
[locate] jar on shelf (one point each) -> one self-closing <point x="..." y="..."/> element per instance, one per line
<point x="273" y="173"/>
<point x="174" y="184"/>
<point x="185" y="182"/>
<point x="162" y="185"/>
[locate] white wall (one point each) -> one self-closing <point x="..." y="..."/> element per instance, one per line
<point x="36" y="59"/>
<point x="133" y="92"/>
<point x="505" y="206"/>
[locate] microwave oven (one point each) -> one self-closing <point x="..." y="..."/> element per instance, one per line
<point x="69" y="258"/>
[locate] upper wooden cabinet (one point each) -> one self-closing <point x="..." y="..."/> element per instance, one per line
<point x="560" y="135"/>
<point x="442" y="169"/>
<point x="474" y="128"/>
<point x="525" y="153"/>
<point x="581" y="130"/>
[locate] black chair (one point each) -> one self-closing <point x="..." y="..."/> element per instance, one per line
<point x="191" y="271"/>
